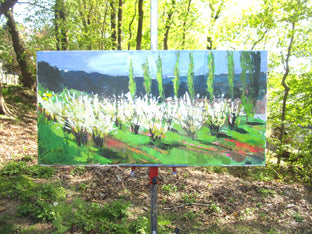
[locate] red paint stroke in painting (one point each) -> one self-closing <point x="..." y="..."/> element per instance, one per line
<point x="245" y="146"/>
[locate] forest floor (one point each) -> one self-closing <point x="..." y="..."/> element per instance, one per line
<point x="196" y="200"/>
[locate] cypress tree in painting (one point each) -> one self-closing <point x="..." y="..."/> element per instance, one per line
<point x="190" y="77"/>
<point x="159" y="78"/>
<point x="176" y="80"/>
<point x="132" y="85"/>
<point x="211" y="74"/>
<point x="255" y="77"/>
<point x="231" y="73"/>
<point x="246" y="65"/>
<point x="147" y="78"/>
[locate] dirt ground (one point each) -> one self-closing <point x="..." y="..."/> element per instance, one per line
<point x="196" y="200"/>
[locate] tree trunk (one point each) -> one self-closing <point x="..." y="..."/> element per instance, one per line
<point x="184" y="23"/>
<point x="3" y="108"/>
<point x="214" y="16"/>
<point x="119" y="27"/>
<point x="140" y="25"/>
<point x="6" y="5"/>
<point x="168" y="24"/>
<point x="113" y="24"/>
<point x="59" y="21"/>
<point x="286" y="87"/>
<point x="130" y="24"/>
<point x="27" y="78"/>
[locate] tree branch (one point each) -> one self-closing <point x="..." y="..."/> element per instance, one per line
<point x="6" y="5"/>
<point x="260" y="39"/>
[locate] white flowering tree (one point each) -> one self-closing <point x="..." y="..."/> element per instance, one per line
<point x="215" y="116"/>
<point x="152" y="117"/>
<point x="81" y="116"/>
<point x="233" y="112"/>
<point x="190" y="116"/>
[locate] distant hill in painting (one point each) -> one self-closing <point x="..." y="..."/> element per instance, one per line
<point x="105" y="85"/>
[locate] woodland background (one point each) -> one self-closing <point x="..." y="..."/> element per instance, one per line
<point x="283" y="27"/>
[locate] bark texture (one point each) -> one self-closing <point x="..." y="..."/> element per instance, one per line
<point x="140" y="25"/>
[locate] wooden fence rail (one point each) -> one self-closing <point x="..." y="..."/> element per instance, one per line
<point x="8" y="77"/>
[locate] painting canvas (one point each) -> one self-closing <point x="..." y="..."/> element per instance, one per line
<point x="152" y="108"/>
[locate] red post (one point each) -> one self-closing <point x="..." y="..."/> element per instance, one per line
<point x="174" y="170"/>
<point x="153" y="174"/>
<point x="132" y="170"/>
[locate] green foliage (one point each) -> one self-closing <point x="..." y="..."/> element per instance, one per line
<point x="21" y="168"/>
<point x="215" y="208"/>
<point x="159" y="78"/>
<point x="191" y="215"/>
<point x="79" y="170"/>
<point x="189" y="198"/>
<point x="266" y="192"/>
<point x="211" y="74"/>
<point x="169" y="188"/>
<point x="36" y="199"/>
<point x="45" y="202"/>
<point x="132" y="85"/>
<point x="298" y="218"/>
<point x="91" y="217"/>
<point x="6" y="227"/>
<point x="140" y="225"/>
<point x="190" y="77"/>
<point x="176" y="80"/>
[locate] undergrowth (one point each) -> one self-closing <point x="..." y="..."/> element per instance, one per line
<point x="47" y="202"/>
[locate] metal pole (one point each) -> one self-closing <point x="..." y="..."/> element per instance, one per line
<point x="153" y="182"/>
<point x="154" y="24"/>
<point x="154" y="170"/>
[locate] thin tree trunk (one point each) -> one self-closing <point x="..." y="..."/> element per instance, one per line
<point x="103" y="30"/>
<point x="140" y="25"/>
<point x="113" y="24"/>
<point x="3" y="107"/>
<point x="85" y="14"/>
<point x="286" y="87"/>
<point x="214" y="16"/>
<point x="119" y="27"/>
<point x="168" y="24"/>
<point x="27" y="78"/>
<point x="130" y="24"/>
<point x="4" y="8"/>
<point x="184" y="23"/>
<point x="60" y="19"/>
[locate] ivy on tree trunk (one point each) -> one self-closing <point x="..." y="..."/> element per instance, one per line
<point x="27" y="78"/>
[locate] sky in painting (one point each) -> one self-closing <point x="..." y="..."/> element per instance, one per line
<point x="116" y="63"/>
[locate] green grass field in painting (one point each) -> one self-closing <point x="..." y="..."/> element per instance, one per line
<point x="123" y="147"/>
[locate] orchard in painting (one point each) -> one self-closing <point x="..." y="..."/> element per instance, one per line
<point x="194" y="108"/>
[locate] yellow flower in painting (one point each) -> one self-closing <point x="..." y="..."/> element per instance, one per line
<point x="45" y="98"/>
<point x="48" y="94"/>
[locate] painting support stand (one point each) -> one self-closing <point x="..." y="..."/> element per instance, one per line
<point x="153" y="182"/>
<point x="154" y="170"/>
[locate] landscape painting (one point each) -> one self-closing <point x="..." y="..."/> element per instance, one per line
<point x="152" y="108"/>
